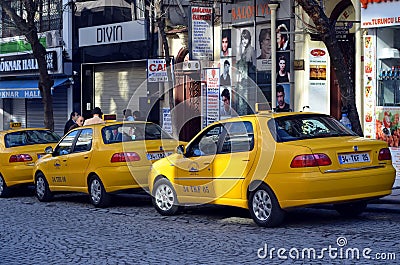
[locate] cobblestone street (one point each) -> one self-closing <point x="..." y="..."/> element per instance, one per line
<point x="70" y="231"/>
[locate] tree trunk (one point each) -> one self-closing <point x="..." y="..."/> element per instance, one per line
<point x="326" y="31"/>
<point x="28" y="28"/>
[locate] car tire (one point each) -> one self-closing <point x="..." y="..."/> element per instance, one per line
<point x="351" y="209"/>
<point x="42" y="189"/>
<point x="4" y="190"/>
<point x="97" y="193"/>
<point x="164" y="198"/>
<point x="264" y="207"/>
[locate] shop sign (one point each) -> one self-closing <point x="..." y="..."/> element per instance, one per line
<point x="20" y="93"/>
<point x="376" y="13"/>
<point x="156" y="70"/>
<point x="112" y="33"/>
<point x="369" y="86"/>
<point x="26" y="63"/>
<point x="202" y="33"/>
<point x="318" y="87"/>
<point x="212" y="105"/>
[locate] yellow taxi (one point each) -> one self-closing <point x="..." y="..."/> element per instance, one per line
<point x="271" y="162"/>
<point x="19" y="149"/>
<point x="102" y="159"/>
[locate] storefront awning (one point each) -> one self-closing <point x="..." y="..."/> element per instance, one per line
<point x="25" y="88"/>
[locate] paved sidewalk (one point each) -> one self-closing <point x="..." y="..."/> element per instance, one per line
<point x="388" y="203"/>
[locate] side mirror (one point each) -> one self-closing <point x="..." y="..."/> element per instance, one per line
<point x="48" y="150"/>
<point x="180" y="149"/>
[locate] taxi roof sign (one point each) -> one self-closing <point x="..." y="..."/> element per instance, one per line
<point x="110" y="117"/>
<point x="15" y="124"/>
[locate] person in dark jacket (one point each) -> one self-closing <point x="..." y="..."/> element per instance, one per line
<point x="72" y="120"/>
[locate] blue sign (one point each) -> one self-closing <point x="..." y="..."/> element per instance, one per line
<point x="20" y="93"/>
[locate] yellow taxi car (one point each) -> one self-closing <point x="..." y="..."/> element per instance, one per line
<point x="19" y="149"/>
<point x="102" y="159"/>
<point x="271" y="162"/>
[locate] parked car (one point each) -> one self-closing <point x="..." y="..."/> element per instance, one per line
<point x="19" y="149"/>
<point x="271" y="162"/>
<point x="102" y="159"/>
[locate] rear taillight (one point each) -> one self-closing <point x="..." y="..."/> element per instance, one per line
<point x="384" y="154"/>
<point x="20" y="158"/>
<point x="310" y="160"/>
<point x="125" y="157"/>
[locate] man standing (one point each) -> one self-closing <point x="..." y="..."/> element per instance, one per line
<point x="225" y="79"/>
<point x="97" y="113"/>
<point x="280" y="97"/>
<point x="72" y="120"/>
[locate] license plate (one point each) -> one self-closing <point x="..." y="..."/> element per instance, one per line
<point x="157" y="156"/>
<point x="354" y="158"/>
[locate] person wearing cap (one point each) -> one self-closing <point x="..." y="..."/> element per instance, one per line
<point x="97" y="114"/>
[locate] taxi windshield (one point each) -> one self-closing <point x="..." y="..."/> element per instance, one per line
<point x="306" y="126"/>
<point x="30" y="137"/>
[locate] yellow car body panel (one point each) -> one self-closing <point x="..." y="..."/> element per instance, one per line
<point x="71" y="172"/>
<point x="16" y="173"/>
<point x="228" y="177"/>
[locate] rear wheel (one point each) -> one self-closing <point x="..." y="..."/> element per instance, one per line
<point x="164" y="198"/>
<point x="43" y="192"/>
<point x="264" y="207"/>
<point x="4" y="190"/>
<point x="98" y="195"/>
<point x="351" y="209"/>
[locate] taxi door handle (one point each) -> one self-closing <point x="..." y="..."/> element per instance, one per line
<point x="85" y="157"/>
<point x="246" y="160"/>
<point x="206" y="163"/>
<point x="64" y="160"/>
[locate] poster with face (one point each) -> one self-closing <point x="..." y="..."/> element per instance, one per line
<point x="226" y="72"/>
<point x="282" y="35"/>
<point x="226" y="49"/>
<point x="283" y="66"/>
<point x="245" y="46"/>
<point x="263" y="48"/>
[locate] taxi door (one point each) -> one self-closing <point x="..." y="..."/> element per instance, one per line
<point x="234" y="160"/>
<point x="194" y="171"/>
<point x="57" y="167"/>
<point x="79" y="159"/>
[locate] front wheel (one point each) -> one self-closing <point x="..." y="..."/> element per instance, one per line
<point x="43" y="192"/>
<point x="4" y="190"/>
<point x="98" y="195"/>
<point x="264" y="207"/>
<point x="164" y="198"/>
<point x="351" y="209"/>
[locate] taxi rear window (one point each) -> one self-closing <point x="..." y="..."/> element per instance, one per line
<point x="133" y="132"/>
<point x="30" y="137"/>
<point x="306" y="126"/>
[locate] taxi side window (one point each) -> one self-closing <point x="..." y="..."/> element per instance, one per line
<point x="207" y="143"/>
<point x="84" y="141"/>
<point x="239" y="137"/>
<point x="65" y="146"/>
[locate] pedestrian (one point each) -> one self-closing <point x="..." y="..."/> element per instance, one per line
<point x="96" y="119"/>
<point x="136" y="115"/>
<point x="78" y="123"/>
<point x="72" y="120"/>
<point x="128" y="115"/>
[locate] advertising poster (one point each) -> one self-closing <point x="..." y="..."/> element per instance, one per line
<point x="226" y="49"/>
<point x="369" y="86"/>
<point x="212" y="97"/>
<point x="166" y="120"/>
<point x="156" y="70"/>
<point x="318" y="87"/>
<point x="226" y="72"/>
<point x="245" y="52"/>
<point x="263" y="48"/>
<point x="388" y="130"/>
<point x="202" y="33"/>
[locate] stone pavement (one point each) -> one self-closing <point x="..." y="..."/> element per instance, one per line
<point x="388" y="203"/>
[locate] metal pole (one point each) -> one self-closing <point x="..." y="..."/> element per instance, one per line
<point x="273" y="6"/>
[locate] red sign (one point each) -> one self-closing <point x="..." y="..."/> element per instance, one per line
<point x="364" y="3"/>
<point x="317" y="52"/>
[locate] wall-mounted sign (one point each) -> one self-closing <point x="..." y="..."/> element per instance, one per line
<point x="26" y="63"/>
<point x="202" y="33"/>
<point x="298" y="64"/>
<point x="112" y="33"/>
<point x="379" y="14"/>
<point x="157" y="70"/>
<point x="20" y="93"/>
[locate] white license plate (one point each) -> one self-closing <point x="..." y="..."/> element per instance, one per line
<point x="157" y="156"/>
<point x="354" y="158"/>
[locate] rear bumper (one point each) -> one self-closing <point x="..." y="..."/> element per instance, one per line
<point x="317" y="188"/>
<point x="123" y="177"/>
<point x="18" y="174"/>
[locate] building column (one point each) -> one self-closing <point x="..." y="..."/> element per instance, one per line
<point x="273" y="6"/>
<point x="358" y="64"/>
